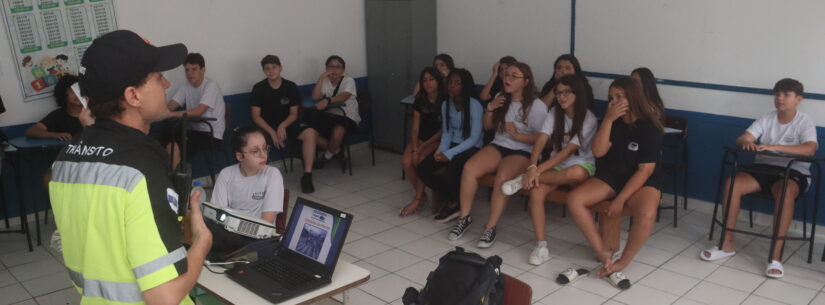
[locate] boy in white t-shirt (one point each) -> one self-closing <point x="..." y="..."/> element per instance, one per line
<point x="199" y="96"/>
<point x="784" y="130"/>
<point x="251" y="186"/>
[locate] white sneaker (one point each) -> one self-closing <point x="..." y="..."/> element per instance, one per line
<point x="512" y="186"/>
<point x="539" y="255"/>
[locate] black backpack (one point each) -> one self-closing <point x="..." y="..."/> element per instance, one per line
<point x="461" y="278"/>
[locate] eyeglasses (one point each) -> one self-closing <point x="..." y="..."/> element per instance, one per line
<point x="564" y="93"/>
<point x="258" y="152"/>
<point x="512" y="76"/>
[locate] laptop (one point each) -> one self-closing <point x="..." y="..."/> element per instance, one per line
<point x="305" y="258"/>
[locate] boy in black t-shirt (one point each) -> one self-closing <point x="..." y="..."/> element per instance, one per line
<point x="274" y="102"/>
<point x="67" y="121"/>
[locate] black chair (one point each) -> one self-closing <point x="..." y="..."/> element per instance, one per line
<point x="364" y="132"/>
<point x="731" y="158"/>
<point x="677" y="142"/>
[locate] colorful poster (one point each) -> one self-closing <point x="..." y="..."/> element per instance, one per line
<point x="49" y="38"/>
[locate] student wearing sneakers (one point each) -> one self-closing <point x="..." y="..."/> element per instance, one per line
<point x="274" y="104"/>
<point x="784" y="130"/>
<point x="516" y="116"/>
<point x="251" y="186"/>
<point x="199" y="96"/>
<point x="569" y="127"/>
<point x="335" y="115"/>
<point x="627" y="147"/>
<point x="460" y="138"/>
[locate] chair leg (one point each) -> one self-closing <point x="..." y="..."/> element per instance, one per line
<point x="750" y="213"/>
<point x="349" y="160"/>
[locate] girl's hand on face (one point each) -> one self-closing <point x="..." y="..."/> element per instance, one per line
<point x="496" y="103"/>
<point x="616" y="110"/>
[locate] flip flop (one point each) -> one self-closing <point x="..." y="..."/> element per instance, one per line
<point x="775" y="265"/>
<point x="715" y="254"/>
<point x="570" y="275"/>
<point x="619" y="280"/>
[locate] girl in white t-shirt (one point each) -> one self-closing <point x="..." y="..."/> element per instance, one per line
<point x="251" y="186"/>
<point x="569" y="128"/>
<point x="516" y="116"/>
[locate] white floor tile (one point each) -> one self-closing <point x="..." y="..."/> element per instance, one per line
<point x="736" y="279"/>
<point x="24" y="257"/>
<point x="27" y="302"/>
<point x="685" y="301"/>
<point x="389" y="288"/>
<point x="669" y="242"/>
<point x="48" y="284"/>
<point x="13" y="294"/>
<point x="572" y="295"/>
<point x="364" y="248"/>
<point x="669" y="282"/>
<point x="786" y="293"/>
<point x="371" y="226"/>
<point x="426" y="226"/>
<point x="396" y="237"/>
<point x="653" y="256"/>
<point x="372" y="208"/>
<point x="643" y="295"/>
<point x="541" y="286"/>
<point x="63" y="297"/>
<point x="6" y="279"/>
<point x="593" y="284"/>
<point x="819" y="300"/>
<point x="713" y="294"/>
<point x="806" y="276"/>
<point x="517" y="257"/>
<point x="418" y="272"/>
<point x="358" y="296"/>
<point x="427" y="247"/>
<point x="375" y="271"/>
<point x="757" y="300"/>
<point x="37" y="269"/>
<point x="693" y="267"/>
<point x="393" y="260"/>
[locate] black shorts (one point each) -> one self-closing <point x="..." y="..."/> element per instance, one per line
<point x="505" y="152"/>
<point x="617" y="182"/>
<point x="198" y="141"/>
<point x="292" y="132"/>
<point x="767" y="175"/>
<point x="326" y="122"/>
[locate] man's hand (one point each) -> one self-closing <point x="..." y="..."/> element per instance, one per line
<point x="200" y="233"/>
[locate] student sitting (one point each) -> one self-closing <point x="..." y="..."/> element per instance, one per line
<point x="199" y="96"/>
<point x="569" y="127"/>
<point x="334" y="94"/>
<point x="251" y="186"/>
<point x="516" y="116"/>
<point x="424" y="134"/>
<point x="648" y="82"/>
<point x="564" y="65"/>
<point x="460" y="139"/>
<point x="627" y="149"/>
<point x="274" y="104"/>
<point x="441" y="62"/>
<point x="495" y="83"/>
<point x="785" y="130"/>
<point x="67" y="121"/>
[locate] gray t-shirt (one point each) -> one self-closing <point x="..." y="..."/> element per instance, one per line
<point x="582" y="140"/>
<point x="535" y="117"/>
<point x="251" y="195"/>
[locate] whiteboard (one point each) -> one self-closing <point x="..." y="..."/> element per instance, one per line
<point x="751" y="43"/>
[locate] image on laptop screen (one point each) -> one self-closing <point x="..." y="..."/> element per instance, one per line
<point x="316" y="234"/>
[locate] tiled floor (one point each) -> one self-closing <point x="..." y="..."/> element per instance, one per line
<point x="399" y="252"/>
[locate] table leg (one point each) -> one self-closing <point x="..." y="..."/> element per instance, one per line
<point x="610" y="229"/>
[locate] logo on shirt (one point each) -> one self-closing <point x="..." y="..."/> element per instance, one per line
<point x="633" y="146"/>
<point x="789" y="139"/>
<point x="172" y="198"/>
<point x="284" y="101"/>
<point x="258" y="195"/>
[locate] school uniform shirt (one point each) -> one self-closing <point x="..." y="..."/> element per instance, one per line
<point x="275" y="103"/>
<point x="350" y="105"/>
<point x="631" y="145"/>
<point x="209" y="94"/>
<point x="430" y="122"/>
<point x="452" y="130"/>
<point x="535" y="118"/>
<point x="583" y="140"/>
<point x="769" y="131"/>
<point x="60" y="121"/>
<point x="253" y="195"/>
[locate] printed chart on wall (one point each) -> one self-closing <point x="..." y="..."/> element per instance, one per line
<point x="49" y="37"/>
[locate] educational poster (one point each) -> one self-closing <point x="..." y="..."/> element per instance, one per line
<point x="49" y="37"/>
<point x="313" y="234"/>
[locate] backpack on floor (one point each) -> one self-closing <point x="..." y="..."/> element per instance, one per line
<point x="461" y="278"/>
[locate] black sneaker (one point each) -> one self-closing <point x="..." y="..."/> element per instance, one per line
<point x="487" y="238"/>
<point x="447" y="213"/>
<point x="460" y="227"/>
<point x="306" y="183"/>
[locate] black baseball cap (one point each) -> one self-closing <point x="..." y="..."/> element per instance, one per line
<point x="122" y="58"/>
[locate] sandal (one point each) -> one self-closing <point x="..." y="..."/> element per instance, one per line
<point x="775" y="265"/>
<point x="405" y="211"/>
<point x="714" y="254"/>
<point x="618" y="280"/>
<point x="570" y="275"/>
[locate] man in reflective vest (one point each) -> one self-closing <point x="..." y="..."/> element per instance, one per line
<point x="112" y="197"/>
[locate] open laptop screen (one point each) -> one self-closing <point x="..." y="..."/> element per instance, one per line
<point x="316" y="234"/>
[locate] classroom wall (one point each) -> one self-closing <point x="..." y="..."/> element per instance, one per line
<point x="232" y="35"/>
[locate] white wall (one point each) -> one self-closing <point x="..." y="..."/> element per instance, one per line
<point x="476" y="33"/>
<point x="233" y="36"/>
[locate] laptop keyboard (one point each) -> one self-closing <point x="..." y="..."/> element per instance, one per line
<point x="283" y="273"/>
